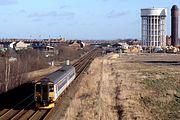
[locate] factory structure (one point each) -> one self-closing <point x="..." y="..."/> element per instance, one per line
<point x="174" y="26"/>
<point x="153" y="27"/>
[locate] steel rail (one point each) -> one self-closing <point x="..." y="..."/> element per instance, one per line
<point x="13" y="110"/>
<point x="23" y="111"/>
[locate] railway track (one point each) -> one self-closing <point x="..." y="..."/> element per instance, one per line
<point x="24" y="109"/>
<point x="8" y="114"/>
<point x="80" y="66"/>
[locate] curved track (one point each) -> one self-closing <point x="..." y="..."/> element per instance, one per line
<point x="24" y="109"/>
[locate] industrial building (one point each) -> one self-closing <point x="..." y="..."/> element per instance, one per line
<point x="174" y="25"/>
<point x="153" y="27"/>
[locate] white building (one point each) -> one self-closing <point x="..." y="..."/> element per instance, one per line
<point x="153" y="27"/>
<point x="11" y="45"/>
<point x="21" y="45"/>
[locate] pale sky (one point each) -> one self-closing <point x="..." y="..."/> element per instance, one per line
<point x="76" y="19"/>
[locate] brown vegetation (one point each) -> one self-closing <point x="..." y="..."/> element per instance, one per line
<point x="12" y="72"/>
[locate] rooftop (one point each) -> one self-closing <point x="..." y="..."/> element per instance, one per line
<point x="154" y="12"/>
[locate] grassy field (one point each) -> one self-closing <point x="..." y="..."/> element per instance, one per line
<point x="160" y="81"/>
<point x="129" y="87"/>
<point x="164" y="103"/>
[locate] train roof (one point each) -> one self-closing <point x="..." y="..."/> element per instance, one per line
<point x="59" y="74"/>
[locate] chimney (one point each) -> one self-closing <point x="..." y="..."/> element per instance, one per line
<point x="174" y="25"/>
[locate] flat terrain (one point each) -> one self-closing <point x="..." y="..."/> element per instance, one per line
<point x="128" y="87"/>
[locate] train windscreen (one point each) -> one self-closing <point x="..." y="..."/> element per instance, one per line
<point x="45" y="92"/>
<point x="38" y="88"/>
<point x="51" y="88"/>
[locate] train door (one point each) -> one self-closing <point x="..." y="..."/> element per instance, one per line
<point x="51" y="92"/>
<point x="37" y="94"/>
<point x="45" y="94"/>
<point x="42" y="93"/>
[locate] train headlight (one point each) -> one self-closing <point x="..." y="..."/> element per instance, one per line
<point x="51" y="98"/>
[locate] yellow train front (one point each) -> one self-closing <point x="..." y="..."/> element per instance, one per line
<point x="44" y="95"/>
<point x="48" y="89"/>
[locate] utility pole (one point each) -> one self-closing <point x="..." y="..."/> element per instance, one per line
<point x="6" y="74"/>
<point x="7" y="71"/>
<point x="49" y="40"/>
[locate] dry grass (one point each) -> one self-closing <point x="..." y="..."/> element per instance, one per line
<point x="85" y="102"/>
<point x="129" y="87"/>
<point x="165" y="100"/>
<point x="94" y="98"/>
<point x="160" y="84"/>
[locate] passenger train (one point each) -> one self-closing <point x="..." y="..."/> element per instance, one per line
<point x="48" y="89"/>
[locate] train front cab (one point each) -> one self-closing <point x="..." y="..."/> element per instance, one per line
<point x="44" y="95"/>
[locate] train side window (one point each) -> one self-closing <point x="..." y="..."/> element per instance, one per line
<point x="71" y="75"/>
<point x="38" y="88"/>
<point x="51" y="88"/>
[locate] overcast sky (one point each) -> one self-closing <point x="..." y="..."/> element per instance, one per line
<point x="76" y="19"/>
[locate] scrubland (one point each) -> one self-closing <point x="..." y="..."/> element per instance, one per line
<point x="128" y="87"/>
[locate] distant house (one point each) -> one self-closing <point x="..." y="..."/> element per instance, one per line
<point x="1" y="46"/>
<point x="74" y="44"/>
<point x="116" y="45"/>
<point x="82" y="44"/>
<point x="49" y="47"/>
<point x="21" y="45"/>
<point x="39" y="46"/>
<point x="12" y="45"/>
<point x="77" y="44"/>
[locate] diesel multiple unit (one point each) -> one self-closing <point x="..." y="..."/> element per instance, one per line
<point x="48" y="89"/>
